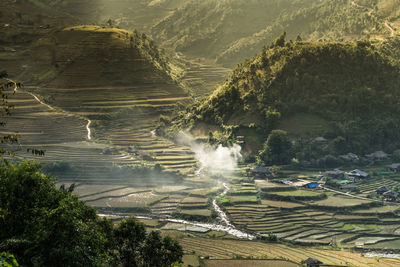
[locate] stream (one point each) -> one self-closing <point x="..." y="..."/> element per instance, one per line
<point x="224" y="226"/>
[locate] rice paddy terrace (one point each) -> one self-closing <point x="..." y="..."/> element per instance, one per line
<point x="62" y="136"/>
<point x="315" y="217"/>
<point x="202" y="75"/>
<point x="120" y="82"/>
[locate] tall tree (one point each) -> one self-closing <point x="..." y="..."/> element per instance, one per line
<point x="277" y="149"/>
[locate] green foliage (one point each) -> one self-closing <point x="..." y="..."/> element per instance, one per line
<point x="272" y="118"/>
<point x="277" y="149"/>
<point x="57" y="167"/>
<point x="161" y="252"/>
<point x="332" y="184"/>
<point x="43" y="226"/>
<point x="280" y="41"/>
<point x="339" y="145"/>
<point x="129" y="235"/>
<point x="272" y="237"/>
<point x="5" y="108"/>
<point x="8" y="260"/>
<point x="396" y="155"/>
<point x="47" y="219"/>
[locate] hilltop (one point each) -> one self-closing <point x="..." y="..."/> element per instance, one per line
<point x="87" y="55"/>
<point x="344" y="90"/>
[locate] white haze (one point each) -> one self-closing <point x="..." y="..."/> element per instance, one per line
<point x="213" y="160"/>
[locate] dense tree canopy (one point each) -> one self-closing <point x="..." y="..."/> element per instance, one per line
<point x="277" y="149"/>
<point x="45" y="226"/>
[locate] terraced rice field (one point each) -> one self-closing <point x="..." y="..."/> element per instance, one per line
<point x="125" y="117"/>
<point x="254" y="263"/>
<point x="372" y="184"/>
<point x="63" y="136"/>
<point x="340" y="201"/>
<point x="97" y="175"/>
<point x="226" y="249"/>
<point x="318" y="222"/>
<point x="131" y="200"/>
<point x="202" y="77"/>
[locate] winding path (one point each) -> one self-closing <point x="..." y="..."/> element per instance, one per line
<point x="40" y="101"/>
<point x="89" y="132"/>
<point x="386" y="23"/>
<point x="349" y="195"/>
<point x="392" y="31"/>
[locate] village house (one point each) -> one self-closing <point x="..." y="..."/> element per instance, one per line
<point x="390" y="196"/>
<point x="107" y="151"/>
<point x="377" y="155"/>
<point x="383" y="189"/>
<point x="394" y="167"/>
<point x="350" y="157"/>
<point x="312" y="262"/>
<point x="287" y="182"/>
<point x="356" y="174"/>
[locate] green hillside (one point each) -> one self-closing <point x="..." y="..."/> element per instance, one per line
<point x="344" y="91"/>
<point x="231" y="30"/>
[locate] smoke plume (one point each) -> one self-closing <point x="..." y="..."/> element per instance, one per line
<point x="212" y="160"/>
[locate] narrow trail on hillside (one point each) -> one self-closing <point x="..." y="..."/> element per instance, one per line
<point x="385" y="23"/>
<point x="356" y="197"/>
<point x="40" y="101"/>
<point x="392" y="31"/>
<point x="89" y="137"/>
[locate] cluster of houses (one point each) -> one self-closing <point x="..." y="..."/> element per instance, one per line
<point x="387" y="193"/>
<point x="345" y="179"/>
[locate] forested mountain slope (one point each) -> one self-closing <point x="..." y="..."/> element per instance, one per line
<point x="348" y="89"/>
<point x="231" y="30"/>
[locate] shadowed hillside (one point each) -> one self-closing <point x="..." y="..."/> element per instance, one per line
<point x="85" y="56"/>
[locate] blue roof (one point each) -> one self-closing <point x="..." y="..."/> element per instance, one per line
<point x="312" y="185"/>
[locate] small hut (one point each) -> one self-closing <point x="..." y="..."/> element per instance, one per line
<point x="390" y="196"/>
<point x="383" y="189"/>
<point x="313" y="262"/>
